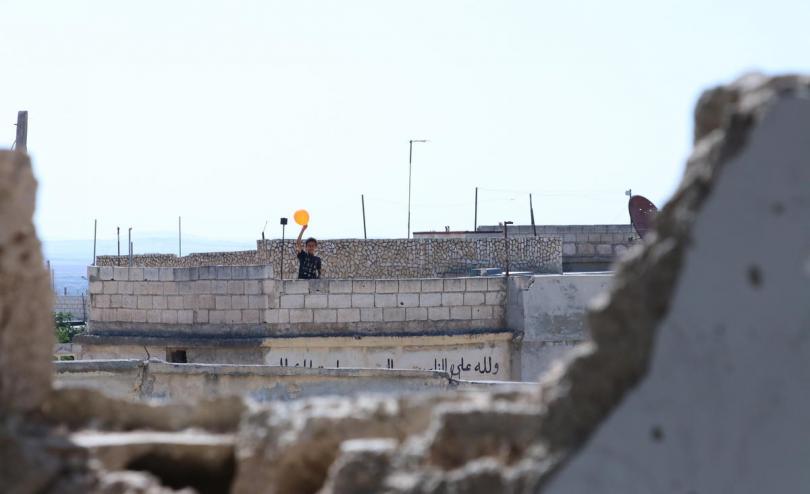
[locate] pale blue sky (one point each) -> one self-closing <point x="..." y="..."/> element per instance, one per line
<point x="233" y="113"/>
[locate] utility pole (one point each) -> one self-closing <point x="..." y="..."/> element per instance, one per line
<point x="410" y="161"/>
<point x="95" y="230"/>
<point x="363" y="204"/>
<point x="21" y="140"/>
<point x="281" y="263"/>
<point x="475" y="223"/>
<point x="506" y="243"/>
<point x="118" y="234"/>
<point x="531" y="212"/>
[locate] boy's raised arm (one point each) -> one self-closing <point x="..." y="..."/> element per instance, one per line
<point x="298" y="246"/>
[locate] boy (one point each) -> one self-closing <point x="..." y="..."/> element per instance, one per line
<point x="309" y="265"/>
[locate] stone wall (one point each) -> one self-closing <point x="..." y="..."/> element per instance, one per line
<point x="393" y="258"/>
<point x="584" y="248"/>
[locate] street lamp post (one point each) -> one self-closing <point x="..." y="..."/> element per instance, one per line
<point x="410" y="160"/>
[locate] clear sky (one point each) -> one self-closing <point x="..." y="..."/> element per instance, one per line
<point x="233" y="113"/>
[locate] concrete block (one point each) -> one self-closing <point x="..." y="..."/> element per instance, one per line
<point x="174" y="302"/>
<point x="185" y="316"/>
<point x="393" y="314"/>
<point x="438" y="313"/>
<point x="300" y="315"/>
<point x="144" y="301"/>
<point x="410" y="286"/>
<point x="257" y="301"/>
<point x="101" y="301"/>
<point x="362" y="300"/>
<point x="116" y="302"/>
<point x="183" y="287"/>
<point x="318" y="286"/>
<point x="295" y="287"/>
<point x="206" y="273"/>
<point x="497" y="312"/>
<point x="238" y="272"/>
<point x="105" y="273"/>
<point x="348" y="315"/>
<point x="569" y="237"/>
<point x="482" y="312"/>
<point x="201" y="316"/>
<point x="495" y="298"/>
<point x="110" y="287"/>
<point x="151" y="274"/>
<point x="385" y="300"/>
<point x="233" y="316"/>
<point x="451" y="299"/>
<point x="271" y="316"/>
<point x="223" y="273"/>
<point x="159" y="302"/>
<point x="496" y="284"/>
<point x="255" y="273"/>
<point x="168" y="317"/>
<point x="408" y="300"/>
<point x="189" y="301"/>
<point x="239" y="302"/>
<point x="416" y="314"/>
<point x="153" y="316"/>
<point x="371" y="315"/>
<point x="460" y="313"/>
<point x="253" y="287"/>
<point x="206" y="302"/>
<point x="319" y="301"/>
<point x="270" y="286"/>
<point x="126" y="287"/>
<point x="96" y="286"/>
<point x="216" y="317"/>
<point x="474" y="298"/>
<point x="138" y="315"/>
<point x="250" y="316"/>
<point x="433" y="285"/>
<point x="454" y="285"/>
<point x="154" y="288"/>
<point x="324" y="315"/>
<point x="140" y="288"/>
<point x="182" y="274"/>
<point x="172" y="288"/>
<point x="340" y="301"/>
<point x="430" y="299"/>
<point x="604" y="250"/>
<point x="200" y="287"/>
<point x="386" y="286"/>
<point x="476" y="284"/>
<point x="292" y="302"/>
<point x="236" y="287"/>
<point x="92" y="273"/>
<point x="340" y="286"/>
<point x="120" y="274"/>
<point x="129" y="301"/>
<point x="569" y="249"/>
<point x="222" y="302"/>
<point x="363" y="286"/>
<point x="585" y="249"/>
<point x="219" y="287"/>
<point x="123" y="315"/>
<point x="284" y="316"/>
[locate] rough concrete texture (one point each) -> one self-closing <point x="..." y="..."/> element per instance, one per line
<point x="25" y="295"/>
<point x="694" y="379"/>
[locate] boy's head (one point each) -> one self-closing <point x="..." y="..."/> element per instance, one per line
<point x="311" y="245"/>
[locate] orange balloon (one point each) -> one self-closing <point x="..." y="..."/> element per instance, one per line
<point x="301" y="217"/>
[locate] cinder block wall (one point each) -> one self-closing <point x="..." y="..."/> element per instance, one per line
<point x="177" y="300"/>
<point x="393" y="305"/>
<point x="247" y="300"/>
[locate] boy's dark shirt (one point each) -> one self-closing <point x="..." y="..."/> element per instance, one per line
<point x="309" y="266"/>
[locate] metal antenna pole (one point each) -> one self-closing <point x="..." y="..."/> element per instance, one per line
<point x="21" y="141"/>
<point x="475" y="223"/>
<point x="118" y="234"/>
<point x="95" y="231"/>
<point x="179" y="237"/>
<point x="363" y="204"/>
<point x="410" y="159"/>
<point x="531" y="212"/>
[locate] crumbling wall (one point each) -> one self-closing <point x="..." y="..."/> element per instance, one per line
<point x="694" y="379"/>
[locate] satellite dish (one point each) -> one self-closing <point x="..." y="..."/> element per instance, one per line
<point x="642" y="213"/>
